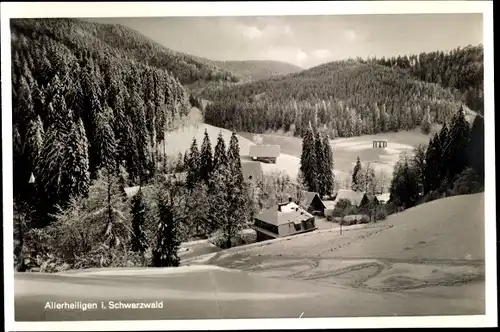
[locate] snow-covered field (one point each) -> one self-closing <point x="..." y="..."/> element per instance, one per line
<point x="435" y="246"/>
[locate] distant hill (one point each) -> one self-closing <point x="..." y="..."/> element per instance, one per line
<point x="258" y="69"/>
<point x="119" y="41"/>
<point x="461" y="69"/>
<point x="347" y="98"/>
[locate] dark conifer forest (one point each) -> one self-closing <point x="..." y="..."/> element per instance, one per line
<point x="354" y="97"/>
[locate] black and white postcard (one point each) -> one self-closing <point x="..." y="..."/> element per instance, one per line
<point x="251" y="165"/>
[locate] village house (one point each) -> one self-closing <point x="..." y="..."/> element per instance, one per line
<point x="313" y="203"/>
<point x="252" y="171"/>
<point x="361" y="200"/>
<point x="265" y="153"/>
<point x="284" y="219"/>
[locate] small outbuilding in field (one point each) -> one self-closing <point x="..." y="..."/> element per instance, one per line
<point x="265" y="153"/>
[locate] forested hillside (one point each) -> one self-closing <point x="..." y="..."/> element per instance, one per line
<point x="256" y="70"/>
<point x="348" y="98"/>
<point x="80" y="105"/>
<point x="461" y="69"/>
<point x="117" y="41"/>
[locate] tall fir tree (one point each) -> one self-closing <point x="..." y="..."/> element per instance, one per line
<point x="34" y="141"/>
<point x="355" y="185"/>
<point x="234" y="161"/>
<point x="106" y="152"/>
<point x="193" y="167"/>
<point x="321" y="167"/>
<point x="165" y="254"/>
<point x="220" y="198"/>
<point x="76" y="163"/>
<point x="308" y="159"/>
<point x="441" y="142"/>
<point x="220" y="156"/>
<point x="455" y="149"/>
<point x="432" y="181"/>
<point x="237" y="193"/>
<point x="475" y="148"/>
<point x="328" y="177"/>
<point x="419" y="160"/>
<point x="206" y="158"/>
<point x="139" y="240"/>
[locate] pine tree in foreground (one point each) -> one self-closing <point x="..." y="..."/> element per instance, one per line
<point x="234" y="161"/>
<point x="167" y="245"/>
<point x="220" y="156"/>
<point x="237" y="193"/>
<point x="455" y="150"/>
<point x="193" y="167"/>
<point x="355" y="184"/>
<point x="76" y="165"/>
<point x="328" y="177"/>
<point x="308" y="160"/>
<point x="206" y="159"/>
<point x="139" y="240"/>
<point x="475" y="148"/>
<point x="321" y="167"/>
<point x="431" y="177"/>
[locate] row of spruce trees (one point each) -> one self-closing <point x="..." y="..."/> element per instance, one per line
<point x="452" y="163"/>
<point x="106" y="228"/>
<point x="316" y="162"/>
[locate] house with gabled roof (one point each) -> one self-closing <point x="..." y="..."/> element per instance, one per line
<point x="354" y="197"/>
<point x="359" y="199"/>
<point x="313" y="203"/>
<point x="265" y="153"/>
<point x="281" y="220"/>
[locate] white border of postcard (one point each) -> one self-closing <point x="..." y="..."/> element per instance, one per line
<point x="159" y="9"/>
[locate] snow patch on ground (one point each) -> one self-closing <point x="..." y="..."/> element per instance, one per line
<point x="146" y="271"/>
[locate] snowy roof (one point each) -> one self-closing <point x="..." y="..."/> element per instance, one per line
<point x="265" y="151"/>
<point x="286" y="216"/>
<point x="309" y="197"/>
<point x="354" y="197"/>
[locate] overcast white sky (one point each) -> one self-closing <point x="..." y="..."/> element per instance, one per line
<point x="309" y="40"/>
